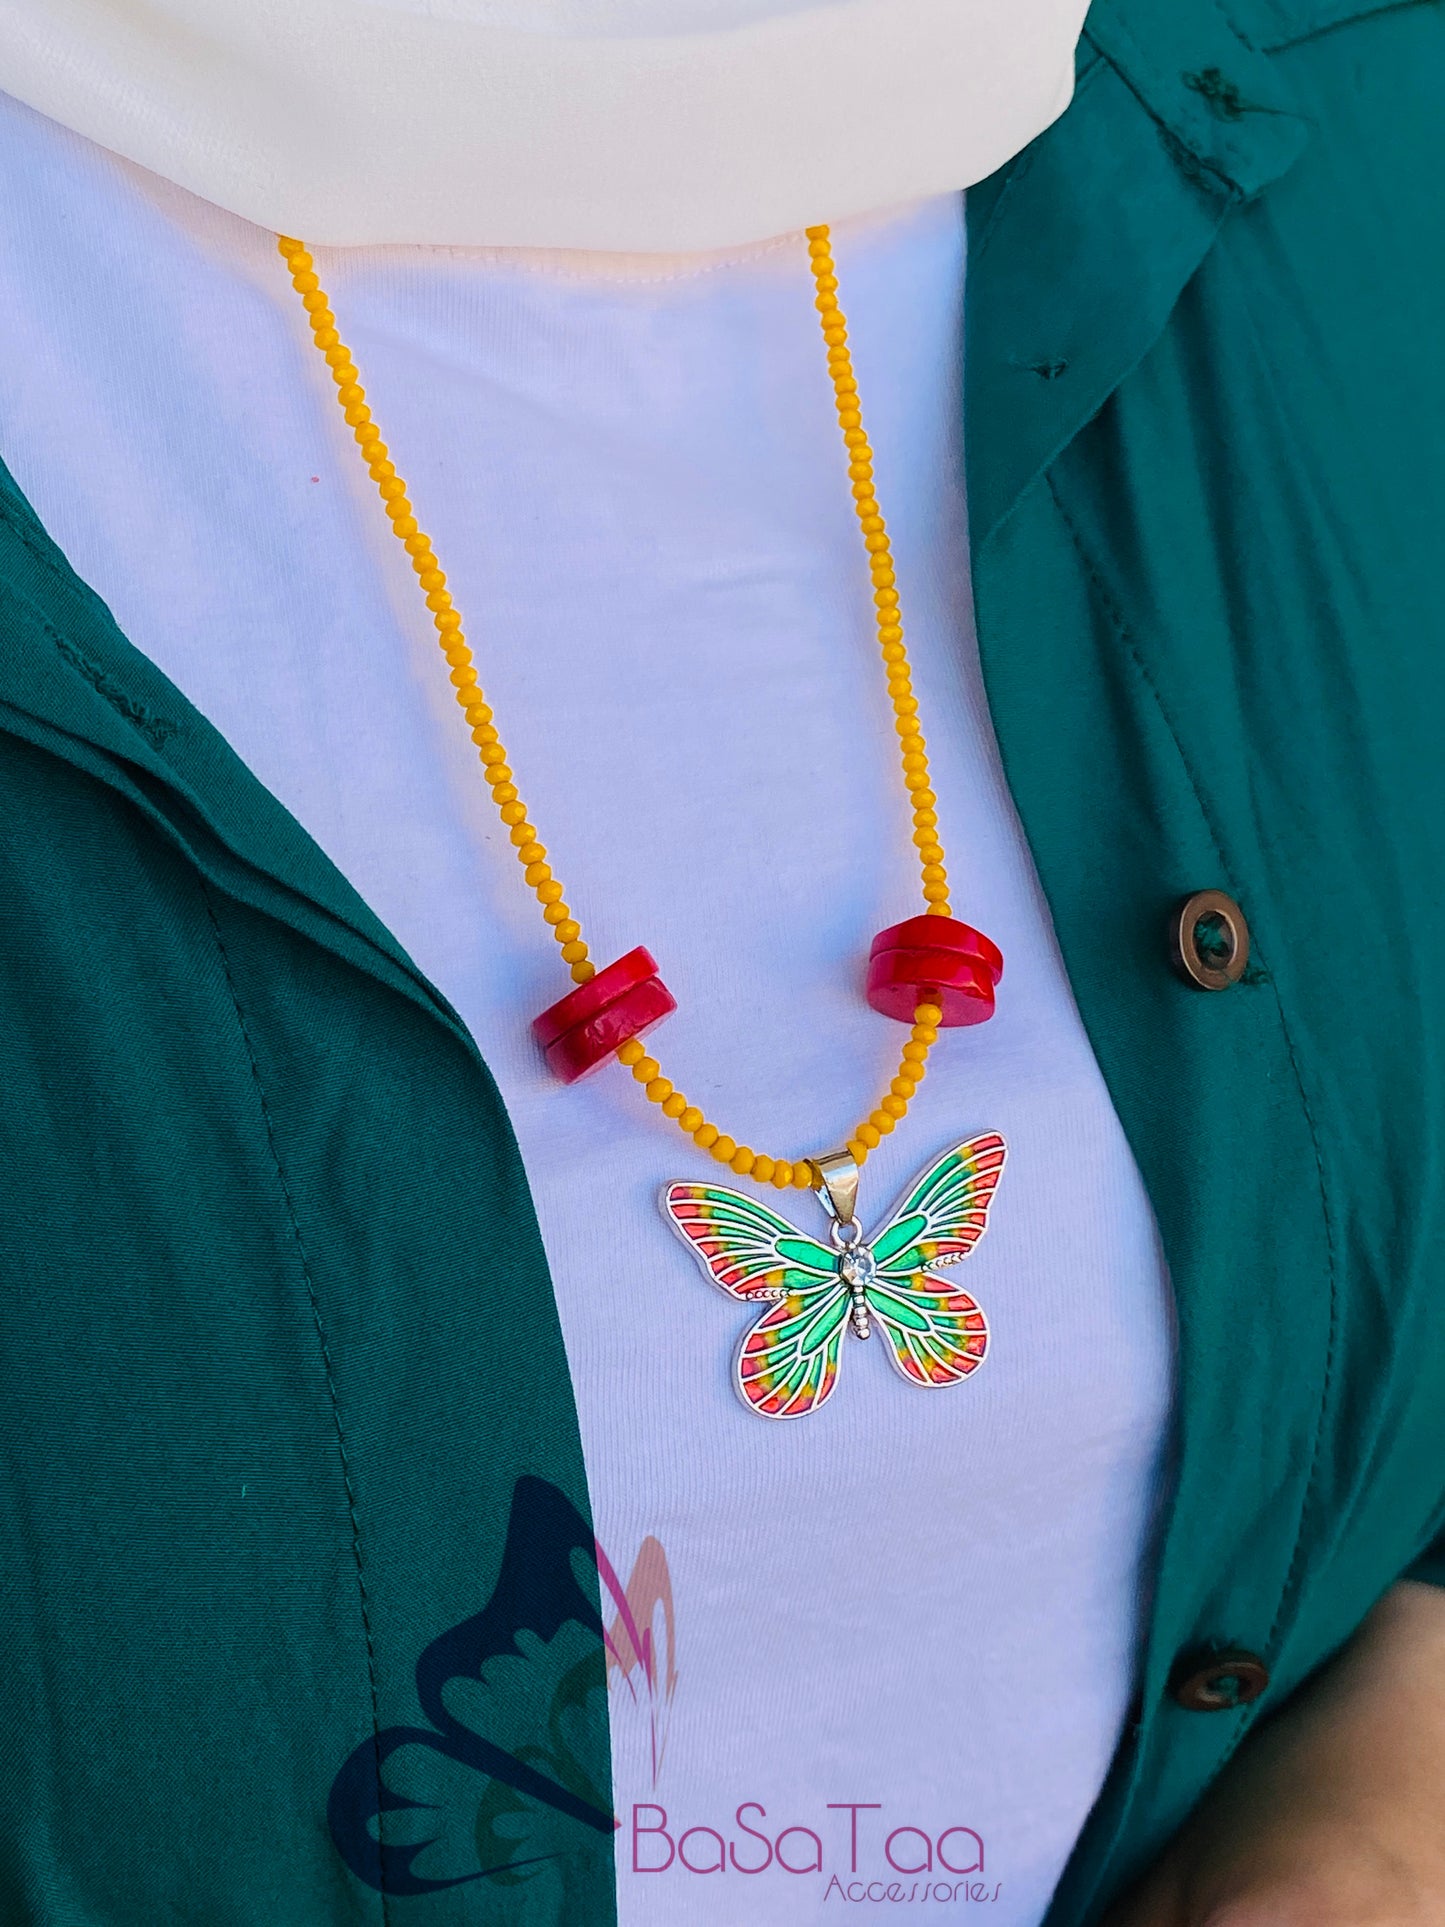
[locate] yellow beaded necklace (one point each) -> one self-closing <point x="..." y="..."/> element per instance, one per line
<point x="802" y="1173"/>
<point x="929" y="972"/>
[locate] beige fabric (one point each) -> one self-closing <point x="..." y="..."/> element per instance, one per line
<point x="616" y="124"/>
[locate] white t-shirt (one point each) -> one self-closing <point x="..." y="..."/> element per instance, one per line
<point x="904" y="1628"/>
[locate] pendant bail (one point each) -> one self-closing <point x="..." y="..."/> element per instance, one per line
<point x="838" y="1191"/>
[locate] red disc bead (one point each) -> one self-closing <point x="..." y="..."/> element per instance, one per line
<point x="934" y="960"/>
<point x="595" y="1020"/>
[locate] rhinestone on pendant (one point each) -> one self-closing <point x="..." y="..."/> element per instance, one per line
<point x="858" y="1268"/>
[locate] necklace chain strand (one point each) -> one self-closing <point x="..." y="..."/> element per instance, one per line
<point x="800" y="1173"/>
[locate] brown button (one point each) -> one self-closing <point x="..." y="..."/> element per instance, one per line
<point x="1209" y="940"/>
<point x="1219" y="1682"/>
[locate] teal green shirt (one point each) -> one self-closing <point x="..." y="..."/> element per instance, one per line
<point x="294" y="1550"/>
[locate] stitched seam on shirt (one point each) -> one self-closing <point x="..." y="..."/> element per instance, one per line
<point x="323" y="1343"/>
<point x="32" y="536"/>
<point x="1116" y="618"/>
<point x="1217" y="175"/>
<point x="156" y="729"/>
<point x="1335" y="26"/>
<point x="792" y="245"/>
<point x="1029" y="156"/>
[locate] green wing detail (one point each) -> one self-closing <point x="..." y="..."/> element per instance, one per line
<point x="937" y="1334"/>
<point x="946" y="1213"/>
<point x="743" y="1246"/>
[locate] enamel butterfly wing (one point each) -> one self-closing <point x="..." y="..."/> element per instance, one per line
<point x="816" y="1294"/>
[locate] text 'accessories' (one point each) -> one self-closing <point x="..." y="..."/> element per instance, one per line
<point x="930" y="971"/>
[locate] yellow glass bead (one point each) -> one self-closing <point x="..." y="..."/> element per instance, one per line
<point x="743" y="1161"/>
<point x="480" y="713"/>
<point x="657" y="1089"/>
<point x="690" y="1118"/>
<point x="882" y="1121"/>
<point x="536" y="873"/>
<point x="857" y="1150"/>
<point x="762" y="1169"/>
<point x="532" y="851"/>
<point x="584" y="972"/>
<point x="550" y="891"/>
<point x="928" y="1014"/>
<point x="805" y="1175"/>
<point x="674" y="1106"/>
<point x="645" y="1069"/>
<point x="915" y="1052"/>
<point x="567" y="932"/>
<point x="901" y="1090"/>
<point x="523" y="835"/>
<point x="630" y="1052"/>
<point x="491" y="750"/>
<point x="403" y="526"/>
<point x="413" y="541"/>
<point x="723" y="1148"/>
<point x="447" y="619"/>
<point x="705" y="1136"/>
<point x="935" y="893"/>
<point x="556" y="913"/>
<point x="868" y="1134"/>
<point x="782" y="1175"/>
<point x="503" y="792"/>
<point x="574" y="952"/>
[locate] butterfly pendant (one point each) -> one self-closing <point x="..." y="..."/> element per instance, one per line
<point x="787" y="1364"/>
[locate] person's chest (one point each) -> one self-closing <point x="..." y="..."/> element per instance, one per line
<point x="924" y="1602"/>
